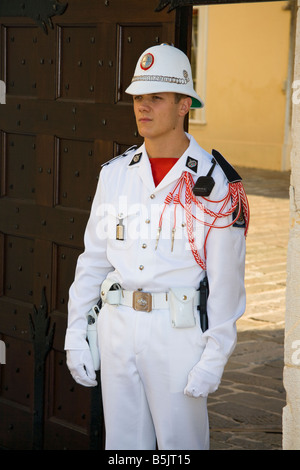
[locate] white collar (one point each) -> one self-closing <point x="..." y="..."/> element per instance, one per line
<point x="191" y="161"/>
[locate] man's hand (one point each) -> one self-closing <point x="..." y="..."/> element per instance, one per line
<point x="201" y="383"/>
<point x="80" y="364"/>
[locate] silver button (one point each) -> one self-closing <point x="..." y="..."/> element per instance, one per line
<point x="144" y="245"/>
<point x="152" y="196"/>
<point x="141" y="267"/>
<point x="147" y="221"/>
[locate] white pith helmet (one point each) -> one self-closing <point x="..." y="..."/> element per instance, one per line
<point x="161" y="69"/>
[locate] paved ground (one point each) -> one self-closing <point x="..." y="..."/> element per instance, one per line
<point x="246" y="411"/>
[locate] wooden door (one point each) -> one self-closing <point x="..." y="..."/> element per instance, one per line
<point x="65" y="114"/>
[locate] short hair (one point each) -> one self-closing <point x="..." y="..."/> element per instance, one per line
<point x="180" y="96"/>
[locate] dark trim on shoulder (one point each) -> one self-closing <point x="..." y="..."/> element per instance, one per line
<point x="230" y="173"/>
<point x="133" y="147"/>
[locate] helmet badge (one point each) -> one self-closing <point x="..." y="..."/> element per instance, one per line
<point x="147" y="61"/>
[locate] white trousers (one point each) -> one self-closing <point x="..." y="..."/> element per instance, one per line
<point x="144" y="367"/>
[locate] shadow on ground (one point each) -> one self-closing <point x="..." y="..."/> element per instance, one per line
<point x="265" y="182"/>
<point x="246" y="412"/>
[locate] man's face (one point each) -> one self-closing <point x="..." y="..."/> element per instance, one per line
<point x="157" y="114"/>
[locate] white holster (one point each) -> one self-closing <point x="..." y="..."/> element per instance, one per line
<point x="92" y="336"/>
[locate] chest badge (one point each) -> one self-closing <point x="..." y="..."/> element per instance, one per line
<point x="192" y="164"/>
<point x="120" y="230"/>
<point x="136" y="158"/>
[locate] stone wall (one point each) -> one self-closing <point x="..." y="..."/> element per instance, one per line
<point x="291" y="412"/>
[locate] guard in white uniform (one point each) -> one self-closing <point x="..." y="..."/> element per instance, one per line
<point x="147" y="249"/>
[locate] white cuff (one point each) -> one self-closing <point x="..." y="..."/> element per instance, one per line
<point x="75" y="339"/>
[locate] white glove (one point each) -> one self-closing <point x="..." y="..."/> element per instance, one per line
<point x="81" y="366"/>
<point x="201" y="383"/>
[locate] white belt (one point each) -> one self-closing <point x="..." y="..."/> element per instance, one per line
<point x="139" y="300"/>
<point x="146" y="301"/>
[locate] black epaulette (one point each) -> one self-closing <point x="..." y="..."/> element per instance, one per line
<point x="230" y="173"/>
<point x="205" y="184"/>
<point x="133" y="147"/>
<point x="232" y="177"/>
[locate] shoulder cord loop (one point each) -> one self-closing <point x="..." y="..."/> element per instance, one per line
<point x="239" y="205"/>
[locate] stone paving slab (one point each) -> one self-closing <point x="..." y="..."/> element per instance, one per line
<point x="246" y="412"/>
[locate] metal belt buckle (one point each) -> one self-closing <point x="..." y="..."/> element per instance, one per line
<point x="142" y="301"/>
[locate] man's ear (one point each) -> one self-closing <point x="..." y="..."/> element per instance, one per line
<point x="185" y="105"/>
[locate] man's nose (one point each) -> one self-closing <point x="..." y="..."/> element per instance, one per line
<point x="144" y="104"/>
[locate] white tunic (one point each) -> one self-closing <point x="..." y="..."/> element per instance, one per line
<point x="126" y="195"/>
